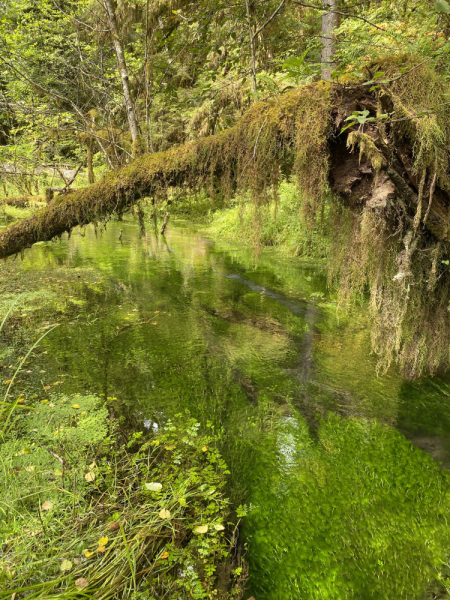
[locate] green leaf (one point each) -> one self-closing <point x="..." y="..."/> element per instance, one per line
<point x="442" y="6"/>
<point x="348" y="126"/>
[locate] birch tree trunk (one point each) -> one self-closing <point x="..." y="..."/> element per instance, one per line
<point x="122" y="66"/>
<point x="330" y="20"/>
<point x="252" y="46"/>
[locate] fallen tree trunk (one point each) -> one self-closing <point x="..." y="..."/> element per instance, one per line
<point x="299" y="132"/>
<point x="248" y="155"/>
<point x="390" y="184"/>
<point x="20" y="201"/>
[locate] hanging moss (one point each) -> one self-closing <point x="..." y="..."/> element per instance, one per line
<point x="390" y="220"/>
<point x="393" y="251"/>
<point x="250" y="155"/>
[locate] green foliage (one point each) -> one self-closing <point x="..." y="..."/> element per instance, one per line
<point x="281" y="223"/>
<point x="49" y="449"/>
<point x="122" y="536"/>
<point x="442" y="6"/>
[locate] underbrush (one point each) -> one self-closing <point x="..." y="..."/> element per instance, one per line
<point x="13" y="213"/>
<point x="280" y="222"/>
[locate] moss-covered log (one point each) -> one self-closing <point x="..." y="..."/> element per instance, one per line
<point x="271" y="139"/>
<point x="390" y="184"/>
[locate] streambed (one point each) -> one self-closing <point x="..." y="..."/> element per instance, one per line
<point x="342" y="473"/>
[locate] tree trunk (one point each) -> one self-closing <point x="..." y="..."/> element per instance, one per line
<point x="252" y="46"/>
<point x="203" y="163"/>
<point x="330" y="20"/>
<point x="89" y="156"/>
<point x="123" y="70"/>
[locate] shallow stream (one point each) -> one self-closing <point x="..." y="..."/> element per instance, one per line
<point x="342" y="472"/>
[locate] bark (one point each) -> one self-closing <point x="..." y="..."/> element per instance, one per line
<point x="252" y="46"/>
<point x="330" y="20"/>
<point x="123" y="70"/>
<point x="89" y="156"/>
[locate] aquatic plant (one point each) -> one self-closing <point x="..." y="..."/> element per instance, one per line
<point x="358" y="512"/>
<point x="145" y="518"/>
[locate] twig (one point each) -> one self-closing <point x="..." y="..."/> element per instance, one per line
<point x="272" y="16"/>
<point x="69" y="183"/>
<point x="254" y="148"/>
<point x="164" y="225"/>
<point x="58" y="458"/>
<point x="432" y="187"/>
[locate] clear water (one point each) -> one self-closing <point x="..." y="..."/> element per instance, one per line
<point x="343" y="473"/>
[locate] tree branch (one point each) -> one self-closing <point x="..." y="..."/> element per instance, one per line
<point x="338" y="12"/>
<point x="272" y="16"/>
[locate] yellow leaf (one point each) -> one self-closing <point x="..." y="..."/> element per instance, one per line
<point x="66" y="565"/>
<point x="87" y="554"/>
<point x="165" y="555"/>
<point x="153" y="486"/>
<point x="155" y="443"/>
<point x="75" y="406"/>
<point x="21" y="401"/>
<point x="103" y="541"/>
<point x="58" y="472"/>
<point x="201" y="529"/>
<point x="90" y="476"/>
<point x="44" y="401"/>
<point x="182" y="501"/>
<point x="164" y="514"/>
<point x="81" y="583"/>
<point x="47" y="505"/>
